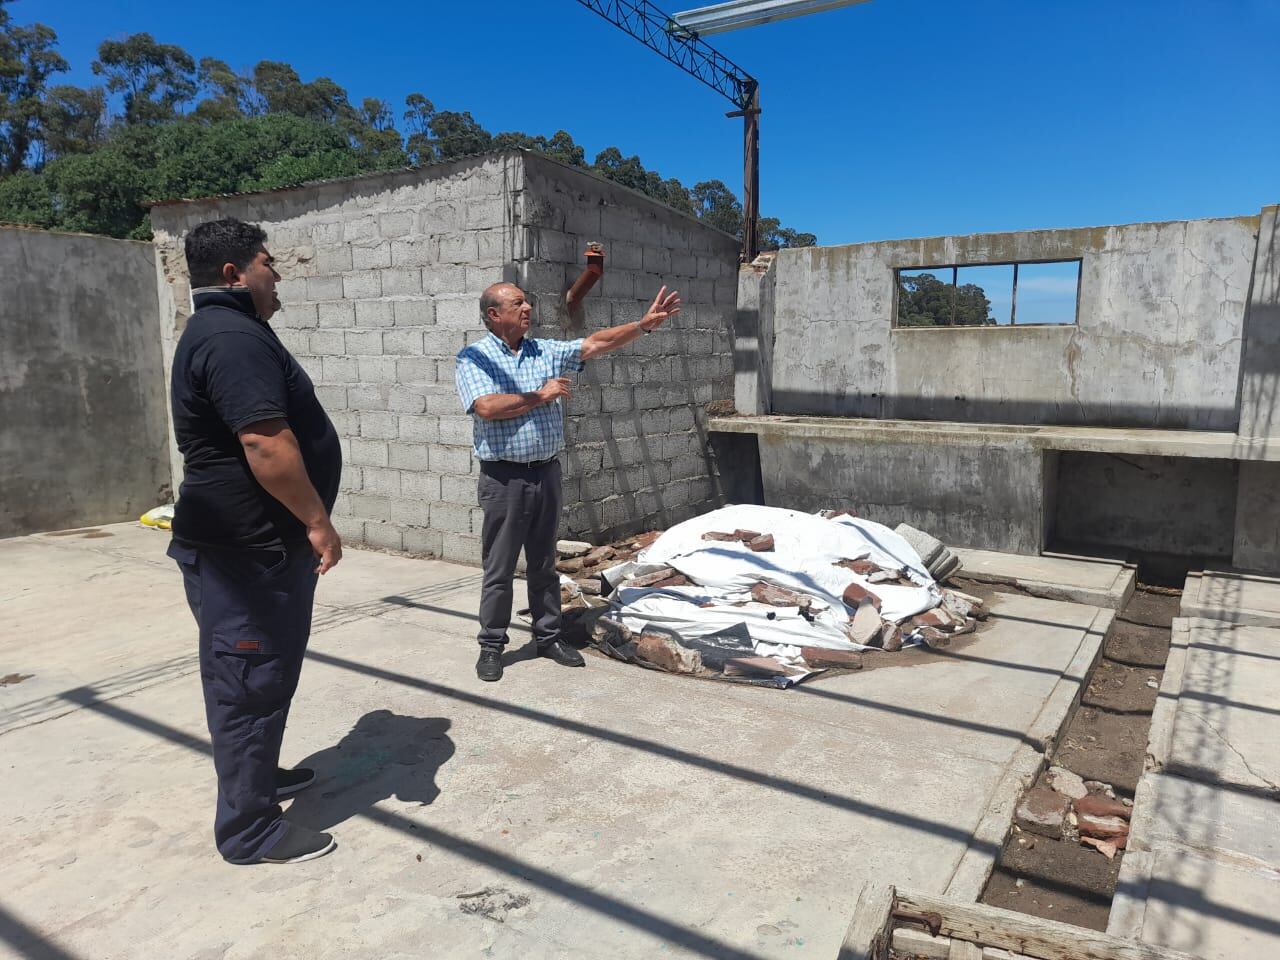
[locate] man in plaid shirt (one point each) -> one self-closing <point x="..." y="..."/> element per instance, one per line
<point x="514" y="387"/>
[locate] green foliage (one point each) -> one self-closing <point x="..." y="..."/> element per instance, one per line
<point x="65" y="163"/>
<point x="926" y="301"/>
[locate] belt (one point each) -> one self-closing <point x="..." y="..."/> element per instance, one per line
<point x="530" y="465"/>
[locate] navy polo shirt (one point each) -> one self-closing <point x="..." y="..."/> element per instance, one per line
<point x="230" y="370"/>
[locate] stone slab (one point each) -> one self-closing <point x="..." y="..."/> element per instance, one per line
<point x="1228" y="710"/>
<point x="563" y="802"/>
<point x="1102" y="583"/>
<point x="1232" y="597"/>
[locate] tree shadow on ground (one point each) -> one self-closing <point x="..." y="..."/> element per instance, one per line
<point x="384" y="755"/>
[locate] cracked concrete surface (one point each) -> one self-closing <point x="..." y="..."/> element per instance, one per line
<point x="607" y="812"/>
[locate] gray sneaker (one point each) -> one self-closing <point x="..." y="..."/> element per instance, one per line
<point x="299" y="844"/>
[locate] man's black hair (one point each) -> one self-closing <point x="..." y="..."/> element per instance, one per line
<point x="212" y="244"/>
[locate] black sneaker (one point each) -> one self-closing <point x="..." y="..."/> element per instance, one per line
<point x="563" y="654"/>
<point x="299" y="844"/>
<point x="289" y="782"/>
<point x="489" y="666"/>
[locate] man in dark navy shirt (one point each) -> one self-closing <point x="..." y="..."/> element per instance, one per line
<point x="251" y="530"/>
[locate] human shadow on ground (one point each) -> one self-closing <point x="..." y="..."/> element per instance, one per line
<point x="384" y="755"/>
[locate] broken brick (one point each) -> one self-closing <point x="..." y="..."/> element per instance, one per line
<point x="1104" y="828"/>
<point x="866" y="625"/>
<point x="590" y="586"/>
<point x="761" y="544"/>
<point x="567" y="549"/>
<point x="599" y="555"/>
<point x="645" y="539"/>
<point x="776" y="596"/>
<point x="855" y="593"/>
<point x="937" y="617"/>
<point x="649" y="579"/>
<point x="573" y="565"/>
<point x="891" y="637"/>
<point x="679" y="580"/>
<point x="746" y="536"/>
<point x="823" y="658"/>
<point x="933" y="637"/>
<point x="1044" y="812"/>
<point x="720" y="537"/>
<point x="832" y="514"/>
<point x="752" y="667"/>
<point x="861" y="567"/>
<point x="663" y="652"/>
<point x="1102" y="806"/>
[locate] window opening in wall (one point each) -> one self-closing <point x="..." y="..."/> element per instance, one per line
<point x="989" y="295"/>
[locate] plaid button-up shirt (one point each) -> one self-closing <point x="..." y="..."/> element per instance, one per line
<point x="490" y="366"/>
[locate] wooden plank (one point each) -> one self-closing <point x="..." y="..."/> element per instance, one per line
<point x="964" y="950"/>
<point x="868" y="935"/>
<point x="1032" y="936"/>
<point x="917" y="943"/>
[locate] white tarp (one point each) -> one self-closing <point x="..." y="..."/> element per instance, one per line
<point x="806" y="550"/>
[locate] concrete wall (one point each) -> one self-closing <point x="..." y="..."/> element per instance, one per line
<point x="382" y="277"/>
<point x="83" y="436"/>
<point x="1161" y="315"/>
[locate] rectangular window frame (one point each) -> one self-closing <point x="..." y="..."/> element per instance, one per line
<point x="1013" y="309"/>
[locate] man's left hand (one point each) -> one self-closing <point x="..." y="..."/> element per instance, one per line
<point x="664" y="305"/>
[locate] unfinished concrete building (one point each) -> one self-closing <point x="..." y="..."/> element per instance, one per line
<point x="1142" y="417"/>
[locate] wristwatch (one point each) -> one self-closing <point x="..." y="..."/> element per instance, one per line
<point x="643" y="328"/>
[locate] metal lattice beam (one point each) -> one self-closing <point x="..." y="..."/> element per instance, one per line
<point x="660" y="33"/>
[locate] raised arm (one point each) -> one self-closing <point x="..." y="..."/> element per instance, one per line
<point x="664" y="305"/>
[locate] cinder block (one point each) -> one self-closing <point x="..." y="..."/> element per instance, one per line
<point x="414" y="313"/>
<point x="361" y="228"/>
<point x="485" y="212"/>
<point x="406" y="400"/>
<point x="455" y="489"/>
<point x="327" y="343"/>
<point x="448" y="279"/>
<point x="657" y="260"/>
<point x="684" y="264"/>
<point x="458" y="248"/>
<point x="373" y="313"/>
<point x="397" y="224"/>
<point x="350" y="529"/>
<point x="402" y="282"/>
<point x="419" y="429"/>
<point x="339" y="314"/>
<point x="296" y="342"/>
<point x="324" y="288"/>
<point x="681" y="419"/>
<point x="339" y="370"/>
<point x="453" y="517"/>
<point x="332" y="398"/>
<point x="381" y="481"/>
<point x="409" y="456"/>
<point x="402" y="342"/>
<point x="362" y="286"/>
<point x="366" y="507"/>
<point x="456" y="430"/>
<point x="540" y="278"/>
<point x="492" y="247"/>
<point x="442" y="343"/>
<point x="384" y="536"/>
<point x="442" y="216"/>
<point x="378" y="425"/>
<point x="554" y="245"/>
<point x="296" y="315"/>
<point x="455" y="460"/>
<point x="415" y="370"/>
<point x="446" y="370"/>
<point x="583" y="219"/>
<point x="418" y="252"/>
<point x="368" y="396"/>
<point x="462" y="548"/>
<point x="460" y="313"/>
<point x="294" y="290"/>
<point x="442" y="400"/>
<point x="368" y="453"/>
<point x="417" y="485"/>
<point x="410" y="513"/>
<point x="654" y="423"/>
<point x="326" y="234"/>
<point x="370" y="256"/>
<point x="364" y="342"/>
<point x="422" y="542"/>
<point x="480" y="278"/>
<point x="616" y="399"/>
<point x="377" y="369"/>
<point x="346" y="422"/>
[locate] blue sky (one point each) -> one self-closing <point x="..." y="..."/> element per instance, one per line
<point x="894" y="118"/>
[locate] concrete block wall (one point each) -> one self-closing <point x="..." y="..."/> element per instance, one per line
<point x="381" y="284"/>
<point x="82" y="403"/>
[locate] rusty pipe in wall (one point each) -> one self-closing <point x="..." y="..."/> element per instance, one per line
<point x="588" y="278"/>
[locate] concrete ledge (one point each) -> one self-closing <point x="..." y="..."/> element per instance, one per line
<point x="1241" y="598"/>
<point x="1100" y="583"/>
<point x="1160" y="733"/>
<point x="1213" y="445"/>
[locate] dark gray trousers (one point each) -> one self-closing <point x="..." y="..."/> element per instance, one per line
<point x="521" y="507"/>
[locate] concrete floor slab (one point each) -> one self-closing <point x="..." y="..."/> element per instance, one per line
<point x="600" y="812"/>
<point x="1232" y="597"/>
<point x="1228" y="712"/>
<point x="1101" y="583"/>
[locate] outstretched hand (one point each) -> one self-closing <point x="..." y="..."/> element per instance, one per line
<point x="664" y="306"/>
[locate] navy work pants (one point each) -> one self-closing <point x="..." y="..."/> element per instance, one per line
<point x="521" y="505"/>
<point x="253" y="610"/>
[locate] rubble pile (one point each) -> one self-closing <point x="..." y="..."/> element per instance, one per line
<point x="761" y="595"/>
<point x="1076" y="810"/>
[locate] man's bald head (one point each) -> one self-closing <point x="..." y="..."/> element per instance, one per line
<point x="494" y="296"/>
